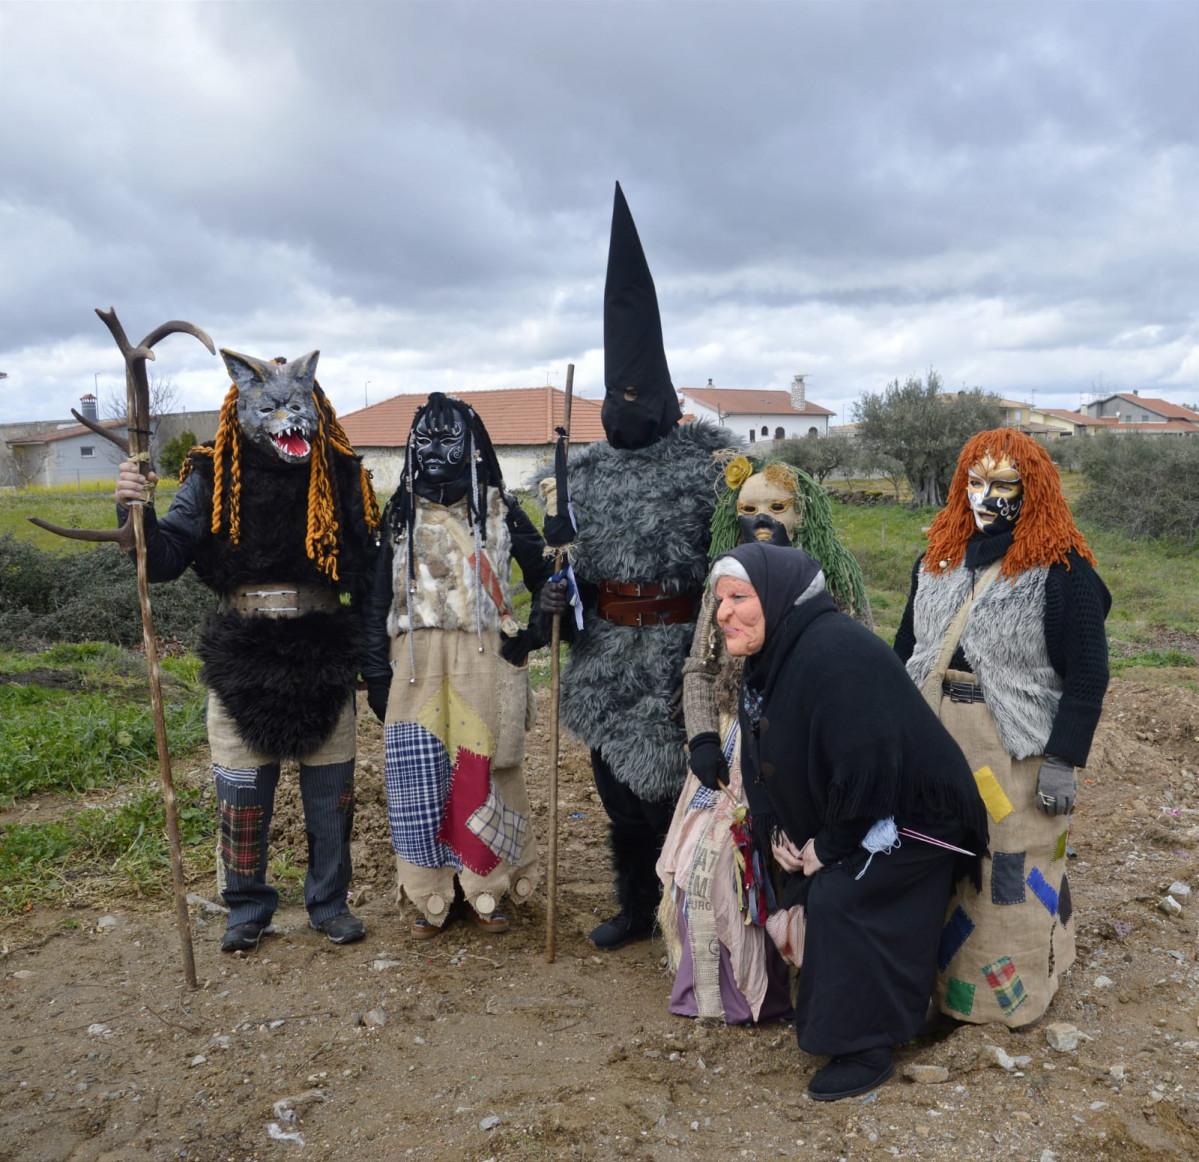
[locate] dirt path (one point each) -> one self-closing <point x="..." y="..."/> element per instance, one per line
<point x="473" y="1047"/>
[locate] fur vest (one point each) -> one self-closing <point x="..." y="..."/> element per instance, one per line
<point x="1004" y="642"/>
<point x="446" y="593"/>
<point x="644" y="514"/>
<point x="284" y="681"/>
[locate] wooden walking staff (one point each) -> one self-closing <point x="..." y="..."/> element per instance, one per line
<point x="132" y="536"/>
<point x="551" y="878"/>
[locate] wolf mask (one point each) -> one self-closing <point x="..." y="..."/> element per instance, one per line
<point x="275" y="405"/>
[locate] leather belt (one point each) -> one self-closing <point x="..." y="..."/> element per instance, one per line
<point x="642" y="603"/>
<point x="963" y="691"/>
<point x="279" y="599"/>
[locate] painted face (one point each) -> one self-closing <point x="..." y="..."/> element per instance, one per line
<point x="766" y="511"/>
<point x="275" y="405"/>
<point x="995" y="492"/>
<point x="740" y="617"/>
<point x="440" y="448"/>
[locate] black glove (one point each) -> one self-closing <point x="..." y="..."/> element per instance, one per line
<point x="707" y="760"/>
<point x="377" y="690"/>
<point x="554" y="597"/>
<point x="1056" y="786"/>
<point x="515" y="649"/>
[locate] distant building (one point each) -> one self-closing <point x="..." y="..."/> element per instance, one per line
<point x="758" y="416"/>
<point x="1132" y="412"/>
<point x="520" y="422"/>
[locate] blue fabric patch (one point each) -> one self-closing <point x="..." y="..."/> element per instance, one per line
<point x="703" y="798"/>
<point x="1042" y="889"/>
<point x="417" y="773"/>
<point x="955" y="933"/>
<point x="1007" y="877"/>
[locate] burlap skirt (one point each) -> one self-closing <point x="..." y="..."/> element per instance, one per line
<point x="457" y="801"/>
<point x="1003" y="949"/>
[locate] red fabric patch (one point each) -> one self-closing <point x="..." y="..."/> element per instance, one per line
<point x="470" y="782"/>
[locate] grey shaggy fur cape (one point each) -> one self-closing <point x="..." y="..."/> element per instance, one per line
<point x="644" y="514"/>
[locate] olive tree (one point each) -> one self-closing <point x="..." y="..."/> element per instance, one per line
<point x="924" y="429"/>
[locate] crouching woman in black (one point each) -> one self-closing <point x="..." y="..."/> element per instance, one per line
<point x="839" y="749"/>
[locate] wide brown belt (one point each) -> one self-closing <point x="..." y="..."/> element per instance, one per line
<point x="642" y="603"/>
<point x="279" y="599"/>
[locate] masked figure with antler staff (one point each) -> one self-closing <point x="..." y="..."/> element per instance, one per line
<point x="277" y="517"/>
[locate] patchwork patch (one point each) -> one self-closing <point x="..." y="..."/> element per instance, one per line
<point x="236" y="776"/>
<point x="955" y="933"/>
<point x="1043" y="890"/>
<point x="504" y="830"/>
<point x="470" y="784"/>
<point x="1007" y="877"/>
<point x="1059" y="848"/>
<point x="959" y="996"/>
<point x="1006" y="984"/>
<point x="241" y="838"/>
<point x="999" y="806"/>
<point x="417" y="772"/>
<point x="1065" y="905"/>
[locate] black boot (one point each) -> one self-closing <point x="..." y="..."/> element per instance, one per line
<point x="634" y="856"/>
<point x="851" y="1074"/>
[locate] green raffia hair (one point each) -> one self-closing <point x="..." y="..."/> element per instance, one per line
<point x="814" y="534"/>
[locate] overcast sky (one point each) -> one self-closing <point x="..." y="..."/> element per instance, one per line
<point x="1007" y="192"/>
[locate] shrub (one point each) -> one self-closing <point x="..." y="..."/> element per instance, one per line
<point x="1146" y="487"/>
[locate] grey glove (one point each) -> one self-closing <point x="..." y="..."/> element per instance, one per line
<point x="1056" y="786"/>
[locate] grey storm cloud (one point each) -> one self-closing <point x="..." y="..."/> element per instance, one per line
<point x="1004" y="191"/>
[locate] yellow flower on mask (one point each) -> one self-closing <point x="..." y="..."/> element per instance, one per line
<point x="737" y="473"/>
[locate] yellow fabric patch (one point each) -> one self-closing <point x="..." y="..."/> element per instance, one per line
<point x="998" y="804"/>
<point x="448" y="718"/>
<point x="1059" y="850"/>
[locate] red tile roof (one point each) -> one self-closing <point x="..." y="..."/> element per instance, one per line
<point x="749" y="401"/>
<point x="1079" y="418"/>
<point x="517" y="415"/>
<point x="1163" y="407"/>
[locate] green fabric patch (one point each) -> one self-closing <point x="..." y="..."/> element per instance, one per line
<point x="959" y="996"/>
<point x="1059" y="849"/>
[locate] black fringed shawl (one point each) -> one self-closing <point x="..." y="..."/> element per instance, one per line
<point x="843" y="734"/>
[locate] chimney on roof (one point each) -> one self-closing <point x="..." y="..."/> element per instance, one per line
<point x="87" y="407"/>
<point x="710" y="383"/>
<point x="1136" y="391"/>
<point x="798" y="398"/>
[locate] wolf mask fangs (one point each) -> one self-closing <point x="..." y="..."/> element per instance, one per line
<point x="274" y="403"/>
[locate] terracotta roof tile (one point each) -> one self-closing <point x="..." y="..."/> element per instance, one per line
<point x="1163" y="407"/>
<point x="749" y="401"/>
<point x="65" y="433"/>
<point x="517" y="415"/>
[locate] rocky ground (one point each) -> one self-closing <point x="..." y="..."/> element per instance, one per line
<point x="475" y="1047"/>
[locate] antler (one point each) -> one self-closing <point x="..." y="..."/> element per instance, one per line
<point x="136" y="444"/>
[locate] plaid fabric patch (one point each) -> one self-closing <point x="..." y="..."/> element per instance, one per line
<point x="1006" y="984"/>
<point x="703" y="799"/>
<point x="237" y="776"/>
<point x="503" y="830"/>
<point x="955" y="933"/>
<point x="1007" y="877"/>
<point x="1065" y="905"/>
<point x="1043" y="890"/>
<point x="1059" y="849"/>
<point x="417" y="773"/>
<point x="241" y="838"/>
<point x="345" y="801"/>
<point x="470" y="784"/>
<point x="993" y="795"/>
<point x="959" y="996"/>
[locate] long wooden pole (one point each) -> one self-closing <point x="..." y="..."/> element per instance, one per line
<point x="551" y="876"/>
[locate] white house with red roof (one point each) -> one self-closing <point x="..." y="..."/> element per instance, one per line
<point x="519" y="420"/>
<point x="758" y="416"/>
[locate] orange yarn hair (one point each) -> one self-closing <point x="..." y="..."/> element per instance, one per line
<point x="1045" y="530"/>
<point x="320" y="540"/>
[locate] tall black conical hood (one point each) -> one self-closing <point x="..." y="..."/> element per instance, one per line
<point x="633" y="353"/>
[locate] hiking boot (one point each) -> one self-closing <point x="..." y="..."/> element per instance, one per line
<point x="621" y="930"/>
<point x="851" y="1074"/>
<point x="344" y="928"/>
<point x="423" y="928"/>
<point x="244" y="937"/>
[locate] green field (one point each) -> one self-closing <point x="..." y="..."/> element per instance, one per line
<point x="90" y="727"/>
